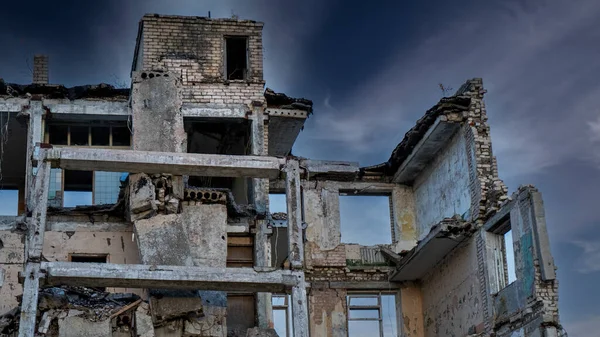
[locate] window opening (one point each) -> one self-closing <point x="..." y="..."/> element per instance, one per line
<point x="59" y="134"/>
<point x="121" y="136"/>
<point x="100" y="136"/>
<point x="240" y="251"/>
<point x="78" y="187"/>
<point x="9" y="202"/>
<point x="236" y="57"/>
<point x="509" y="255"/>
<point x="79" y="135"/>
<point x="365" y="219"/>
<point x="282" y="315"/>
<point x="90" y="258"/>
<point x="372" y="314"/>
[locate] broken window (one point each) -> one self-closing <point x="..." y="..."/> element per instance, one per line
<point x="365" y="219"/>
<point x="500" y="243"/>
<point x="372" y="314"/>
<point x="277" y="203"/>
<point x="282" y="315"/>
<point x="107" y="186"/>
<point x="78" y="187"/>
<point x="9" y="202"/>
<point x="236" y="58"/>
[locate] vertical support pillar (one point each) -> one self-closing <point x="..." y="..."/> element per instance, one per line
<point x="34" y="136"/>
<point x="296" y="247"/>
<point x="33" y="250"/>
<point x="260" y="196"/>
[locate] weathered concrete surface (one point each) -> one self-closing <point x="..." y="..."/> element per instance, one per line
<point x="452" y="302"/>
<point x="156" y="112"/>
<point x="172" y="329"/>
<point x="143" y="321"/>
<point x="212" y="324"/>
<point x="404" y="221"/>
<point x="166" y="309"/>
<point x="258" y="332"/>
<point x="213" y="165"/>
<point x="442" y="190"/>
<point x="141" y="197"/>
<point x="81" y="327"/>
<point x="205" y="227"/>
<point x="161" y="240"/>
<point x="411" y="311"/>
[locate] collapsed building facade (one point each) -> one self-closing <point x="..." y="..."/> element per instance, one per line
<point x="178" y="238"/>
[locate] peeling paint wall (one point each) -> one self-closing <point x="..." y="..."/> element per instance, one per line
<point x="328" y="312"/>
<point x="412" y="312"/>
<point x="452" y="303"/>
<point x="442" y="190"/>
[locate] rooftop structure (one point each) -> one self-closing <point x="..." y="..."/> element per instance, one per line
<point x="148" y="211"/>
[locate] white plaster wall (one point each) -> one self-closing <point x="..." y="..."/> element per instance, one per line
<point x="442" y="190"/>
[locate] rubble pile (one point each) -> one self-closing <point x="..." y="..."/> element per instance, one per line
<point x="61" y="306"/>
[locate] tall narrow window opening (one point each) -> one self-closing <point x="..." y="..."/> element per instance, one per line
<point x="236" y="57"/>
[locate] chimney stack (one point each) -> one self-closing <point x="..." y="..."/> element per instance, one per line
<point x="40" y="69"/>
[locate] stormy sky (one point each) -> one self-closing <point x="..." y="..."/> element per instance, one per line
<point x="373" y="68"/>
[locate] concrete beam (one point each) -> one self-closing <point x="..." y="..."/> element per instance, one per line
<point x="438" y="135"/>
<point x="167" y="277"/>
<point x="87" y="107"/>
<point x="164" y="162"/>
<point x="13" y="104"/>
<point x="341" y="170"/>
<point x="214" y="111"/>
<point x="291" y="113"/>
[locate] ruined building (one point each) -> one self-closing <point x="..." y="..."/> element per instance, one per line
<point x="146" y="211"/>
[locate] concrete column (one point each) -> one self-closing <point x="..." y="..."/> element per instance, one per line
<point x="34" y="137"/>
<point x="262" y="243"/>
<point x="33" y="249"/>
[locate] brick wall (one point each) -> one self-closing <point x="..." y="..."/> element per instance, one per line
<point x="40" y="69"/>
<point x="194" y="48"/>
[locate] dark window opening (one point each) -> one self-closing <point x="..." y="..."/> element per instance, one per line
<point x="79" y="135"/>
<point x="78" y="181"/>
<point x="121" y="136"/>
<point x="240" y="312"/>
<point x="236" y="57"/>
<point x="100" y="136"/>
<point x="90" y="258"/>
<point x="59" y="134"/>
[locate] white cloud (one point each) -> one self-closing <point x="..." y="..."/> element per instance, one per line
<point x="587" y="327"/>
<point x="589" y="262"/>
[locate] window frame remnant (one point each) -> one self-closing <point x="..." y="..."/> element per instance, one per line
<point x="52" y="129"/>
<point x="229" y="47"/>
<point x="369" y="307"/>
<point x="287" y="309"/>
<point x="500" y="255"/>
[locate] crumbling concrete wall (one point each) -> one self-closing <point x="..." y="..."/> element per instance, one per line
<point x="442" y="190"/>
<point x="529" y="305"/>
<point x="194" y="49"/>
<point x="452" y="302"/>
<point x="156" y="110"/>
<point x="58" y="246"/>
<point x="11" y="263"/>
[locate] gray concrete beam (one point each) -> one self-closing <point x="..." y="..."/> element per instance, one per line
<point x="167" y="277"/>
<point x="87" y="107"/>
<point x="339" y="169"/>
<point x="190" y="110"/>
<point x="164" y="162"/>
<point x="434" y="140"/>
<point x="13" y="104"/>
